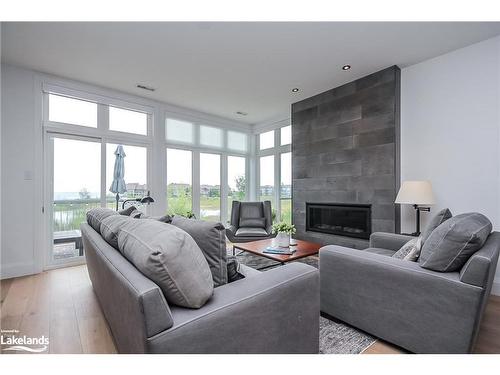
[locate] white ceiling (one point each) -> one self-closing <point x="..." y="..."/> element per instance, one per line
<point x="221" y="68"/>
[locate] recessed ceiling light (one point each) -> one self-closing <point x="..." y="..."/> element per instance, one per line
<point x="144" y="87"/>
<point x="295" y="89"/>
<point x="346" y="67"/>
<point x="241" y="113"/>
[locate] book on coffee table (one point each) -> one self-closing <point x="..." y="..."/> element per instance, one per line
<point x="279" y="250"/>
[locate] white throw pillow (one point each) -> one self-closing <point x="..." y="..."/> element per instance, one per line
<point x="410" y="251"/>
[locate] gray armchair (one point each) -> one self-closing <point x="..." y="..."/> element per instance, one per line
<point x="250" y="221"/>
<point x="398" y="301"/>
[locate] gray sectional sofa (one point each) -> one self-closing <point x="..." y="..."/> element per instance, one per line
<point x="266" y="312"/>
<point x="421" y="310"/>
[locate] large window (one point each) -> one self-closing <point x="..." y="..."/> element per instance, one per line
<point x="179" y="182"/>
<point x="136" y="166"/>
<point x="72" y="111"/>
<point x="266" y="140"/>
<point x="286" y="187"/>
<point x="124" y="120"/>
<point x="286" y="135"/>
<point x="267" y="179"/>
<point x="210" y="187"/>
<point x="236" y="181"/>
<point x="178" y="131"/>
<point x="237" y="141"/>
<point x="215" y="154"/>
<point x="275" y="171"/>
<point x="81" y="133"/>
<point x="76" y="182"/>
<point x="210" y="136"/>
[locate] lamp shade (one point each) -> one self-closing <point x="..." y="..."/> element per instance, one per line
<point x="415" y="192"/>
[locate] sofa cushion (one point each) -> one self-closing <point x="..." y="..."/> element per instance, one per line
<point x="251" y="232"/>
<point x="376" y="250"/>
<point x="110" y="227"/>
<point x="452" y="243"/>
<point x="410" y="251"/>
<point x="251" y="210"/>
<point x="259" y="222"/>
<point x="96" y="215"/>
<point x="211" y="238"/>
<point x="435" y="222"/>
<point x="169" y="257"/>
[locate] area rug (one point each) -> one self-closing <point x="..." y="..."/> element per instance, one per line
<point x="335" y="337"/>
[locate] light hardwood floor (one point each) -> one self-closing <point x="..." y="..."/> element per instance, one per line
<point x="61" y="305"/>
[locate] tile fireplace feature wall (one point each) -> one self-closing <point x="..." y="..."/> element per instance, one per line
<point x="345" y="149"/>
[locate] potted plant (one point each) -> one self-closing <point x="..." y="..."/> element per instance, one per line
<point x="283" y="232"/>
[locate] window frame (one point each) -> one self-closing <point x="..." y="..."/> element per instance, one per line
<point x="197" y="148"/>
<point x="277" y="150"/>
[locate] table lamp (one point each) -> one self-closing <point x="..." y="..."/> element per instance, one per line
<point x="416" y="193"/>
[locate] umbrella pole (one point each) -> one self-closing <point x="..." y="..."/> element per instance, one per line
<point x="117" y="199"/>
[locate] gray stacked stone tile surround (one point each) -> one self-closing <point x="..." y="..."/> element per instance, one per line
<point x="345" y="149"/>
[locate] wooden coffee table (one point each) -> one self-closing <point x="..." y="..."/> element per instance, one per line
<point x="303" y="250"/>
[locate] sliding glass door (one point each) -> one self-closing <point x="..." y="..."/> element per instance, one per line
<point x="75" y="184"/>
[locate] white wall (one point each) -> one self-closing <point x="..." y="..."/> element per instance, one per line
<point x="450" y="131"/>
<point x="18" y="160"/>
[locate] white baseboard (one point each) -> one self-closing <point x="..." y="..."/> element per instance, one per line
<point x="8" y="271"/>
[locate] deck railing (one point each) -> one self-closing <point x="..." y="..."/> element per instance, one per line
<point x="70" y="213"/>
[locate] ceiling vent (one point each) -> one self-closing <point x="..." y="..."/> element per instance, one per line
<point x="144" y="87"/>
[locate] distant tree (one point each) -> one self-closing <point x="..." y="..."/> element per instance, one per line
<point x="84" y="194"/>
<point x="241" y="186"/>
<point x="214" y="192"/>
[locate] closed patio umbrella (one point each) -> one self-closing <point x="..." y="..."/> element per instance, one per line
<point x="118" y="185"/>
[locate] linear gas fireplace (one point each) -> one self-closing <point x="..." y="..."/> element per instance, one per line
<point x="352" y="220"/>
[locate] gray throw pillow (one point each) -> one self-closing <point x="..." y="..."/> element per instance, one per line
<point x="211" y="238"/>
<point x="435" y="222"/>
<point x="163" y="219"/>
<point x="253" y="223"/>
<point x="452" y="243"/>
<point x="96" y="215"/>
<point x="110" y="227"/>
<point x="170" y="257"/>
<point x="410" y="251"/>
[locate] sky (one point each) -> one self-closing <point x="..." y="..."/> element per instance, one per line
<point x="77" y="165"/>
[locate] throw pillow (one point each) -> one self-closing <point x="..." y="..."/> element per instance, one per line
<point x="163" y="219"/>
<point x="211" y="238"/>
<point x="435" y="222"/>
<point x="253" y="223"/>
<point x="410" y="251"/>
<point x="452" y="243"/>
<point x="232" y="269"/>
<point x="110" y="227"/>
<point x="170" y="257"/>
<point x="127" y="211"/>
<point x="96" y="215"/>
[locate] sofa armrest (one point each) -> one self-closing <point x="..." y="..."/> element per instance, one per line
<point x="390" y="241"/>
<point x="274" y="312"/>
<point x="398" y="301"/>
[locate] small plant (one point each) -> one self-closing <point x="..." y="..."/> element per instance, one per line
<point x="283" y="227"/>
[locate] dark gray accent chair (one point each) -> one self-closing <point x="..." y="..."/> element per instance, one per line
<point x="266" y="312"/>
<point x="250" y="221"/>
<point x="398" y="301"/>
